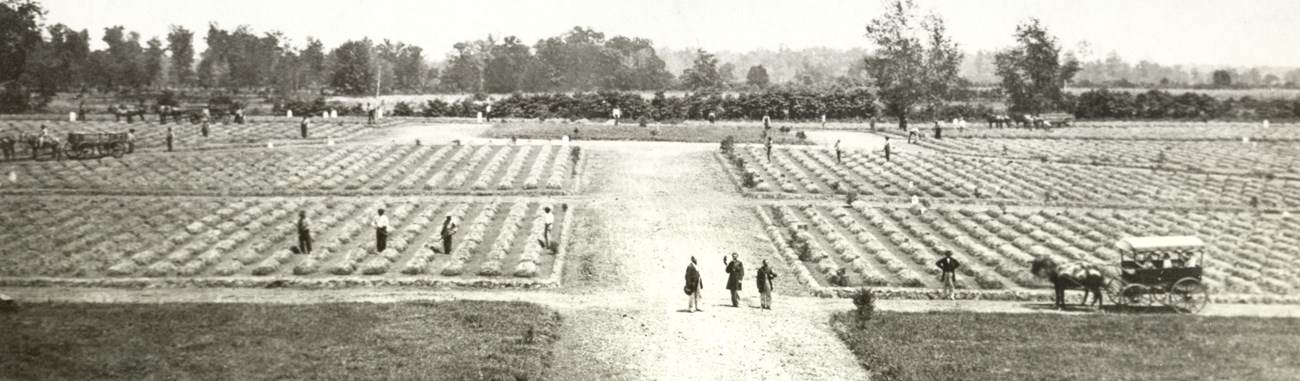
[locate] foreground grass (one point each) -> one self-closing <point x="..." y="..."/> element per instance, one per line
<point x="964" y="346"/>
<point x="695" y="134"/>
<point x="463" y="340"/>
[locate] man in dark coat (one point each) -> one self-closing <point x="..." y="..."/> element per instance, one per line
<point x="948" y="273"/>
<point x="888" y="149"/>
<point x="304" y="234"/>
<point x="764" y="278"/>
<point x="693" y="286"/>
<point x="448" y="231"/>
<point x="735" y="274"/>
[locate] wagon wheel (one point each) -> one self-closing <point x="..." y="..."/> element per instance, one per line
<point x="117" y="149"/>
<point x="1188" y="295"/>
<point x="1133" y="295"/>
<point x="1113" y="291"/>
<point x="73" y="151"/>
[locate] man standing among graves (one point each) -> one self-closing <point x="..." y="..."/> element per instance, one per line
<point x="693" y="286"/>
<point x="304" y="234"/>
<point x="888" y="149"/>
<point x="130" y="141"/>
<point x="838" y="153"/>
<point x="617" y="114"/>
<point x="764" y="278"/>
<point x="948" y="276"/>
<point x="487" y="112"/>
<point x="938" y="131"/>
<point x="735" y="274"/>
<point x="381" y="231"/>
<point x="448" y="231"/>
<point x="548" y="219"/>
<point x="768" y="145"/>
<point x="171" y="137"/>
<point x="303" y="126"/>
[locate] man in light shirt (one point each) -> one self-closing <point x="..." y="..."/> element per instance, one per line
<point x="381" y="231"/>
<point x="548" y="219"/>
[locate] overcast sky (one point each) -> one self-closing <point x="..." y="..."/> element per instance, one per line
<point x="1218" y="32"/>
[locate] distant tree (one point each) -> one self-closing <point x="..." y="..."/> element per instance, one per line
<point x="505" y="71"/>
<point x="353" y="68"/>
<point x="908" y="70"/>
<point x="180" y="42"/>
<point x="19" y="34"/>
<point x="464" y="71"/>
<point x="757" y="77"/>
<point x="728" y="74"/>
<point x="153" y="61"/>
<point x="313" y="62"/>
<point x="1221" y="78"/>
<point x="703" y="75"/>
<point x="1032" y="72"/>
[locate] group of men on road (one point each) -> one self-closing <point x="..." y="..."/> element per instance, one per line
<point x="735" y="275"/>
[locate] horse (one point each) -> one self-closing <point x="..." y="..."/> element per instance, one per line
<point x="7" y="144"/>
<point x="1075" y="275"/>
<point x="35" y="144"/>
<point x="998" y="121"/>
<point x="129" y="113"/>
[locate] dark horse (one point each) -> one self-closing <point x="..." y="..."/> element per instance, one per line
<point x="52" y="143"/>
<point x="129" y="113"/>
<point x="7" y="144"/>
<point x="1075" y="275"/>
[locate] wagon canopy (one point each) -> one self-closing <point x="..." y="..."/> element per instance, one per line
<point x="1145" y="244"/>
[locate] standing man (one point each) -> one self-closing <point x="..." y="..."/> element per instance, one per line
<point x="487" y="112"/>
<point x="370" y="115"/>
<point x="381" y="231"/>
<point x="547" y="219"/>
<point x="735" y="274"/>
<point x="616" y="114"/>
<point x="937" y="130"/>
<point x="162" y="114"/>
<point x="768" y="145"/>
<point x="948" y="267"/>
<point x="913" y="134"/>
<point x="448" y="231"/>
<point x="888" y="149"/>
<point x="130" y="141"/>
<point x="693" y="286"/>
<point x="713" y="116"/>
<point x="204" y="128"/>
<point x="767" y="121"/>
<point x="838" y="152"/>
<point x="823" y="120"/>
<point x="764" y="278"/>
<point x="303" y="126"/>
<point x="171" y="137"/>
<point x="304" y="234"/>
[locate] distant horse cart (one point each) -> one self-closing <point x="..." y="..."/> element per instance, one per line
<point x="87" y="145"/>
<point x="1161" y="271"/>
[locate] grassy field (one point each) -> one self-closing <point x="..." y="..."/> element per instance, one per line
<point x="630" y="131"/>
<point x="966" y="346"/>
<point x="427" y="341"/>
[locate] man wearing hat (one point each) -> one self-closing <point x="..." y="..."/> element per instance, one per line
<point x="735" y="274"/>
<point x="693" y="286"/>
<point x="948" y="266"/>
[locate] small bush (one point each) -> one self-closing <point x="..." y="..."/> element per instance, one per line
<point x="784" y="129"/>
<point x="801" y="135"/>
<point x="865" y="301"/>
<point x="851" y="197"/>
<point x="840" y="278"/>
<point x="747" y="179"/>
<point x="728" y="144"/>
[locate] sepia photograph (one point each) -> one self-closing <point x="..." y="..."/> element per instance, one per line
<point x="649" y="190"/>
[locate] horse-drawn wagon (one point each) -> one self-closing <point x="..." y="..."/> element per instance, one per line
<point x="84" y="145"/>
<point x="1161" y="271"/>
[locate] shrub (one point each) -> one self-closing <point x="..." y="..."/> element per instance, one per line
<point x="840" y="278"/>
<point x="784" y="129"/>
<point x="801" y="135"/>
<point x="728" y="145"/>
<point x="865" y="301"/>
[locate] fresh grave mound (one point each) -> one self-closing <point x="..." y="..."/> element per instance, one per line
<point x="414" y="341"/>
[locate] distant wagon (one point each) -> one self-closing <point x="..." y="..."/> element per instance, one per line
<point x="82" y="145"/>
<point x="1161" y="271"/>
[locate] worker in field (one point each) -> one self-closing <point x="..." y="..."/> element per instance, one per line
<point x="304" y="234"/>
<point x="130" y="141"/>
<point x="448" y="231"/>
<point x="204" y="129"/>
<point x="487" y="112"/>
<point x="302" y="127"/>
<point x="171" y="137"/>
<point x="764" y="278"/>
<point x="380" y="222"/>
<point x="767" y="121"/>
<point x="838" y="152"/>
<point x="617" y="114"/>
<point x="713" y="116"/>
<point x="888" y="149"/>
<point x="938" y="131"/>
<point x="735" y="274"/>
<point x="948" y="273"/>
<point x="768" y="145"/>
<point x="370" y="115"/>
<point x="548" y="219"/>
<point x="162" y="113"/>
<point x="913" y="134"/>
